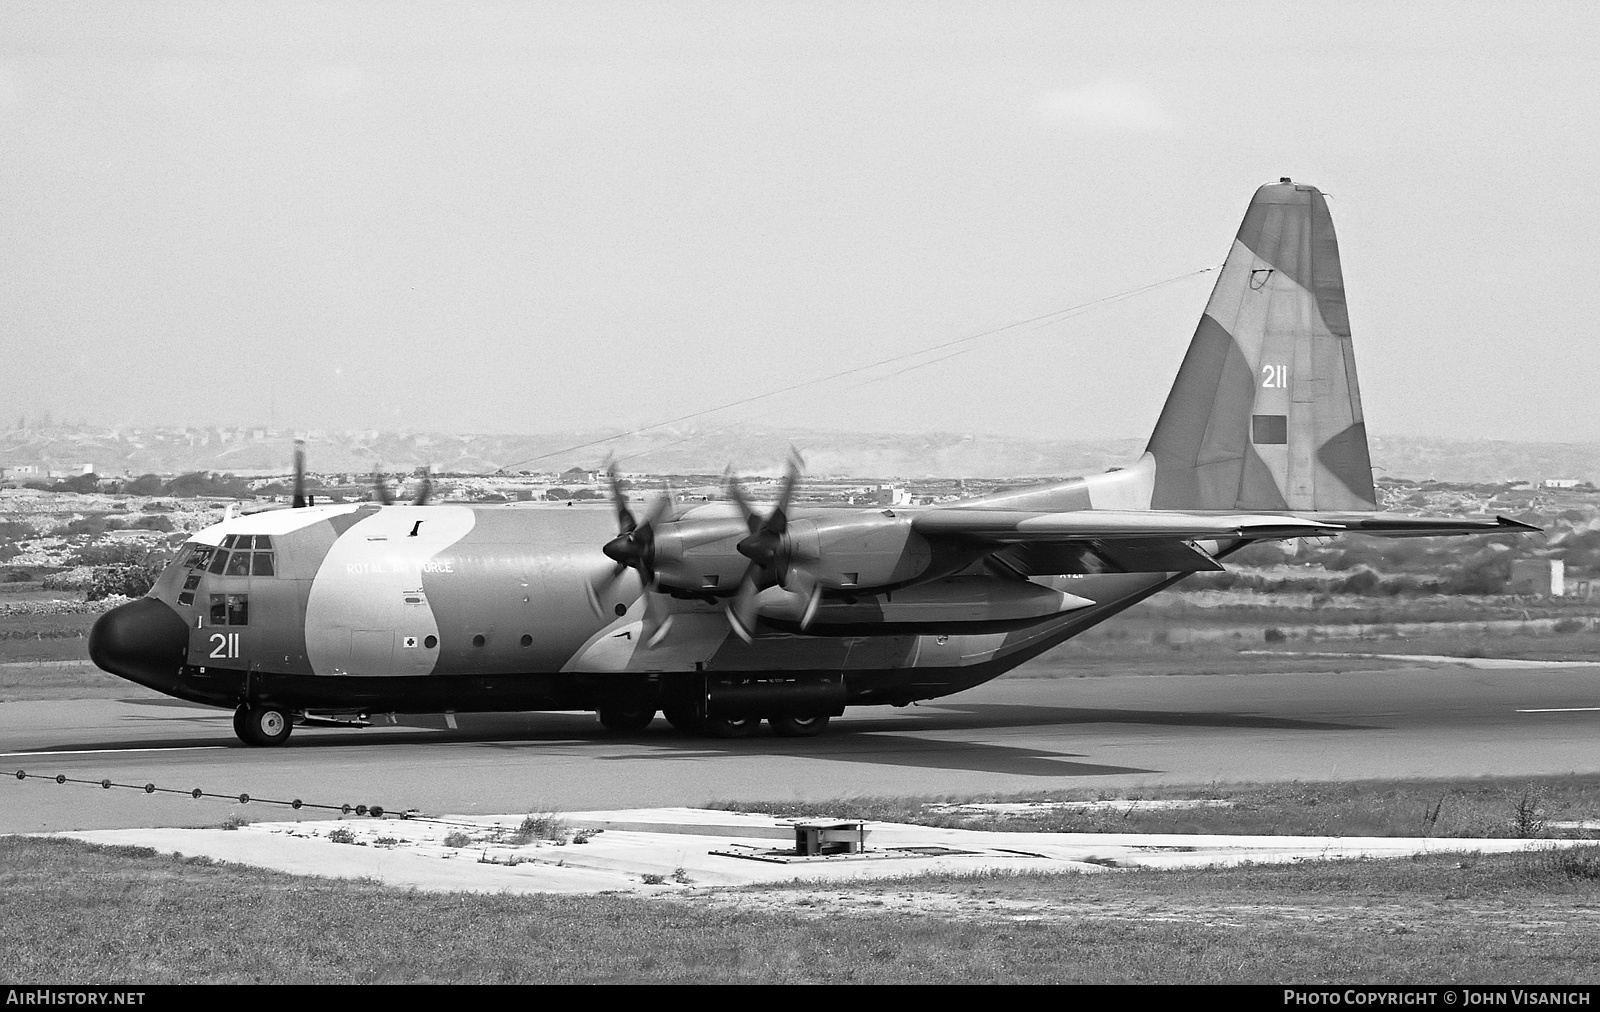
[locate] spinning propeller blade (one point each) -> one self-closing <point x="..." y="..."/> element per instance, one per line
<point x="770" y="553"/>
<point x="633" y="547"/>
<point x="426" y="490"/>
<point x="299" y="500"/>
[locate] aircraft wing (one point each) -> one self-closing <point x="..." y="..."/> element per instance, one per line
<point x="1011" y="527"/>
<point x="1149" y="541"/>
<point x="1020" y="527"/>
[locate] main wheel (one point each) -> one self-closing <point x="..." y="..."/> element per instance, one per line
<point x="262" y="725"/>
<point x="625" y="721"/>
<point x="797" y="727"/>
<point x="722" y="727"/>
<point x="684" y="719"/>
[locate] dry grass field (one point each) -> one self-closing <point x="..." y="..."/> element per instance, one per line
<point x="82" y="914"/>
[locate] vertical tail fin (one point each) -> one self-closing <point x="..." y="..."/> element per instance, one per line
<point x="1265" y="413"/>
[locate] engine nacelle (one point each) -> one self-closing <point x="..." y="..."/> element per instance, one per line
<point x="701" y="555"/>
<point x="852" y="551"/>
<point x="953" y="605"/>
<point x="846" y="552"/>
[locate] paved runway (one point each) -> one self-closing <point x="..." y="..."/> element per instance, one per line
<point x="1014" y="734"/>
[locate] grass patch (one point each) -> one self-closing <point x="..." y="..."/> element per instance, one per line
<point x="127" y="915"/>
<point x="1461" y="808"/>
<point x="539" y="826"/>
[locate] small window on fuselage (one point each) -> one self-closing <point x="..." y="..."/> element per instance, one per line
<point x="230" y="609"/>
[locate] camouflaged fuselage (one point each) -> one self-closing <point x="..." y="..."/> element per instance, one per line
<point x="460" y="607"/>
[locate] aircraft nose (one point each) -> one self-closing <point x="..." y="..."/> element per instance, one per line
<point x="144" y="641"/>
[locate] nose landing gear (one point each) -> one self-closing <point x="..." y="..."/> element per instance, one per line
<point x="262" y="724"/>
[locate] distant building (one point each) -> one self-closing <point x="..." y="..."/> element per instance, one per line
<point x="1538" y="577"/>
<point x="1562" y="483"/>
<point x="579" y="476"/>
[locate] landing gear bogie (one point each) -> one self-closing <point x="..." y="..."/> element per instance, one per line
<point x="731" y="727"/>
<point x="625" y="721"/>
<point x="798" y="727"/>
<point x="684" y="719"/>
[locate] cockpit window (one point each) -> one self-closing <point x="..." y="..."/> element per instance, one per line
<point x="198" y="557"/>
<point x="259" y="542"/>
<point x="230" y="609"/>
<point x="240" y="555"/>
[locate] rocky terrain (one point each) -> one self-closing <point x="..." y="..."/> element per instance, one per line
<point x="66" y="450"/>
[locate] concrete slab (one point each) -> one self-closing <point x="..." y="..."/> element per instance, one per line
<point x="665" y="851"/>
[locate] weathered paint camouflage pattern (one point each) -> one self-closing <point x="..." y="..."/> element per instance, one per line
<point x="427" y="608"/>
<point x="1274" y="343"/>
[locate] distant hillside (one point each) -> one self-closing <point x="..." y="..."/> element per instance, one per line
<point x="1484" y="459"/>
<point x="751" y="450"/>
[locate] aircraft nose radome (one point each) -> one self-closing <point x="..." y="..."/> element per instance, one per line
<point x="144" y="641"/>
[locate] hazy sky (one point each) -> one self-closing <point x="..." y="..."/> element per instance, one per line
<point x="546" y="216"/>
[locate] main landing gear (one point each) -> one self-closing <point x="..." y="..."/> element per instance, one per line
<point x="625" y="721"/>
<point x="687" y="721"/>
<point x="798" y="727"/>
<point x="262" y="724"/>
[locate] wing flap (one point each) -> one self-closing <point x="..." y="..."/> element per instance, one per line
<point x="1126" y="555"/>
<point x="1401" y="525"/>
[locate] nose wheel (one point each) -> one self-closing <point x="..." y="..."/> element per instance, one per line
<point x="262" y="725"/>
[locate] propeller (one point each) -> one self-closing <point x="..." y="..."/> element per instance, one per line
<point x="634" y="545"/>
<point x="380" y="490"/>
<point x="772" y="556"/>
<point x="300" y="499"/>
<point x="426" y="489"/>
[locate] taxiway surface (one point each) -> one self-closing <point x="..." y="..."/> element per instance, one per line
<point x="1014" y="734"/>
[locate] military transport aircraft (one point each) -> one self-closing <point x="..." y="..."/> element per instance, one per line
<point x="722" y="615"/>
